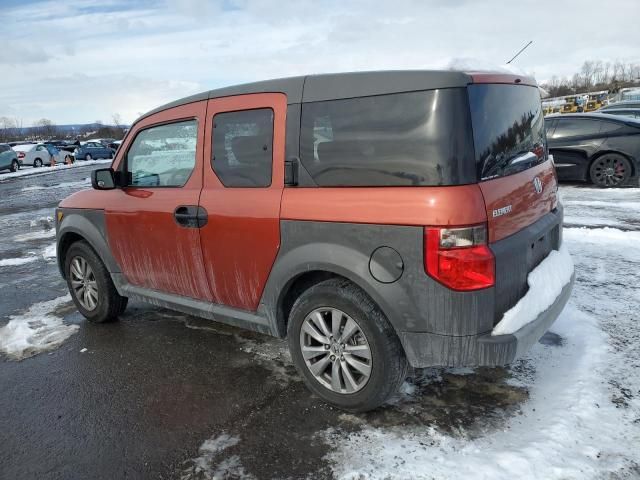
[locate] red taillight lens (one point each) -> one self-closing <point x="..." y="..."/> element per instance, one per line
<point x="459" y="258"/>
<point x="20" y="154"/>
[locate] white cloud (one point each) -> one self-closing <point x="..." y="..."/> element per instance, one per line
<point x="86" y="59"/>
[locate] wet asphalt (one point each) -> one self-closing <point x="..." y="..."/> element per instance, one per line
<point x="150" y="389"/>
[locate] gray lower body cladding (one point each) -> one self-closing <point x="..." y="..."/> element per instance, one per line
<point x="436" y="325"/>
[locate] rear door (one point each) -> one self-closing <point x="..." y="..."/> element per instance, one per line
<point x="243" y="184"/>
<point x="572" y="143"/>
<point x="518" y="183"/>
<point x="152" y="224"/>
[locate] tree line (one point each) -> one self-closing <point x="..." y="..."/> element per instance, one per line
<point x="595" y="75"/>
<point x="13" y="129"/>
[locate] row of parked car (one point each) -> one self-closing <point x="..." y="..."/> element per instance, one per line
<point x="14" y="155"/>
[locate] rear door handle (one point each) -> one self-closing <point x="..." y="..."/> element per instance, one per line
<point x="191" y="216"/>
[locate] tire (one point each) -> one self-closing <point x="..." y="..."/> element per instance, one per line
<point x="88" y="157"/>
<point x="37" y="163"/>
<point x="108" y="304"/>
<point x="111" y="155"/>
<point x="387" y="363"/>
<point x="15" y="166"/>
<point x="610" y="170"/>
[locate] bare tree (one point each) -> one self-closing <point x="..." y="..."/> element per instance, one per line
<point x="45" y="128"/>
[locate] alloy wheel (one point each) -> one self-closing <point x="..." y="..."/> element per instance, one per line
<point x="335" y="350"/>
<point x="83" y="283"/>
<point x="609" y="171"/>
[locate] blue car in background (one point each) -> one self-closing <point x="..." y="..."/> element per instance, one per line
<point x="8" y="158"/>
<point x="93" y="150"/>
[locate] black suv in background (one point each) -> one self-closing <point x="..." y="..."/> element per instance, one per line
<point x="602" y="149"/>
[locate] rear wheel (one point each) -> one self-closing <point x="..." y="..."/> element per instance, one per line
<point x="37" y="163"/>
<point x="90" y="285"/>
<point x="87" y="157"/>
<point x="344" y="347"/>
<point x="610" y="170"/>
<point x="15" y="166"/>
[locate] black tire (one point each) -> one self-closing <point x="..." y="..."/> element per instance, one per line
<point x="37" y="163"/>
<point x="610" y="170"/>
<point x="110" y="304"/>
<point x="15" y="166"/>
<point x="388" y="361"/>
<point x="88" y="157"/>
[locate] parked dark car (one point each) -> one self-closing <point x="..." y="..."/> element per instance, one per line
<point x="62" y="145"/>
<point x="600" y="148"/>
<point x="377" y="220"/>
<point x="623" y="104"/>
<point x="624" y="112"/>
<point x="8" y="158"/>
<point x="92" y="151"/>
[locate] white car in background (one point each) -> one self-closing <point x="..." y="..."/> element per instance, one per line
<point x="37" y="155"/>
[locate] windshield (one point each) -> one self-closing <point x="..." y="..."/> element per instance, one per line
<point x="508" y="128"/>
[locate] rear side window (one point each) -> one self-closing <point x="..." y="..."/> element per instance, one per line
<point x="163" y="156"/>
<point x="414" y="138"/>
<point x="508" y="128"/>
<point x="243" y="147"/>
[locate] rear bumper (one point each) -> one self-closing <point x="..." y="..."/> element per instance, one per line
<point x="428" y="350"/>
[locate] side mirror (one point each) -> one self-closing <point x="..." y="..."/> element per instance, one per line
<point x="102" y="179"/>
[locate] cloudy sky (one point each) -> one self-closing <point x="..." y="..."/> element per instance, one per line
<point x="76" y="61"/>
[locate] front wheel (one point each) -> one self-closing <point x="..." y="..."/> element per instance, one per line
<point x="344" y="347"/>
<point x="610" y="170"/>
<point x="90" y="285"/>
<point x="37" y="163"/>
<point x="87" y="157"/>
<point x="15" y="166"/>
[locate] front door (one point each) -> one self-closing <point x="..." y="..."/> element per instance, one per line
<point x="152" y="223"/>
<point x="243" y="183"/>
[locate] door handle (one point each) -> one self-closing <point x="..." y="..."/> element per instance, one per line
<point x="191" y="216"/>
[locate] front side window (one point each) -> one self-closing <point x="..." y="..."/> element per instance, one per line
<point x="163" y="156"/>
<point x="414" y="138"/>
<point x="243" y="147"/>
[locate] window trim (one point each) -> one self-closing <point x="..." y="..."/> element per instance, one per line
<point x="124" y="164"/>
<point x="273" y="128"/>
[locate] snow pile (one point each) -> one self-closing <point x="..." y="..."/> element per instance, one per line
<point x="546" y="282"/>
<point x="569" y="429"/>
<point x="209" y="465"/>
<point x="37" y="330"/>
<point x="50" y="251"/>
<point x="35" y="235"/>
<point x="12" y="262"/>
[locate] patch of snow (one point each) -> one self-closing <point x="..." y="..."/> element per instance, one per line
<point x="567" y="430"/>
<point x="83" y="350"/>
<point x="605" y="204"/>
<point x="11" y="262"/>
<point x="37" y="330"/>
<point x="211" y="466"/>
<point x="546" y="282"/>
<point x="50" y="251"/>
<point x="37" y="235"/>
<point x="82" y="183"/>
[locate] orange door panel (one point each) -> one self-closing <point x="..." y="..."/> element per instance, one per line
<point x="241" y="239"/>
<point x="153" y="250"/>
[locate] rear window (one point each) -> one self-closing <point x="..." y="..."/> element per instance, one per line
<point x="508" y="128"/>
<point x="414" y="138"/>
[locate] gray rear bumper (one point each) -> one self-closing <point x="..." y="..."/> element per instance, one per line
<point x="427" y="349"/>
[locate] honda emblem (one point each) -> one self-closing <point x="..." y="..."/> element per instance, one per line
<point x="537" y="185"/>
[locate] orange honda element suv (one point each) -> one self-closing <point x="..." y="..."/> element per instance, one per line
<point x="377" y="220"/>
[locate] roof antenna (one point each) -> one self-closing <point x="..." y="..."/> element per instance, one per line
<point x="520" y="51"/>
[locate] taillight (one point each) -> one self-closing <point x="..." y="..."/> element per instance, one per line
<point x="20" y="154"/>
<point x="459" y="258"/>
